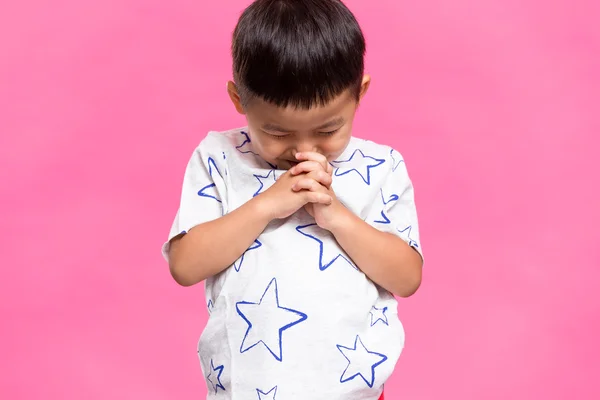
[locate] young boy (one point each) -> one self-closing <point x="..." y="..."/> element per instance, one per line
<point x="302" y="232"/>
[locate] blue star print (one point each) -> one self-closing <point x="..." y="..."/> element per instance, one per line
<point x="378" y="314"/>
<point x="211" y="165"/>
<point x="215" y="381"/>
<point x="270" y="395"/>
<point x="262" y="180"/>
<point x="406" y="235"/>
<point x="238" y="264"/>
<point x="246" y="146"/>
<point x="392" y="198"/>
<point x="363" y="166"/>
<point x="361" y="362"/>
<point x="210" y="306"/>
<point x="396" y="161"/>
<point x="327" y="254"/>
<point x="267" y="321"/>
<point x="206" y="190"/>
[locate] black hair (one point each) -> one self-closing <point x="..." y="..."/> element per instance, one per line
<point x="297" y="53"/>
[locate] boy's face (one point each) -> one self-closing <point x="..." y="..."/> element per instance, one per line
<point x="277" y="133"/>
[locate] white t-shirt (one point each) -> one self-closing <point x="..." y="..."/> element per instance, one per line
<point x="293" y="318"/>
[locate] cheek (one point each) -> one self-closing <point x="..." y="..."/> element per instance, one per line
<point x="268" y="149"/>
<point x="271" y="148"/>
<point x="336" y="145"/>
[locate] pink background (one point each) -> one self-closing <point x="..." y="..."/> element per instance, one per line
<point x="495" y="105"/>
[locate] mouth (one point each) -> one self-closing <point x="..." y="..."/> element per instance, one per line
<point x="288" y="164"/>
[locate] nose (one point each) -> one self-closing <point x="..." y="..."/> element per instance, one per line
<point x="305" y="146"/>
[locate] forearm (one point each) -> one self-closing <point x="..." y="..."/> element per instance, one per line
<point x="385" y="258"/>
<point x="210" y="248"/>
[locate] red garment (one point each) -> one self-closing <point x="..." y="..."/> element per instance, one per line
<point x="381" y="398"/>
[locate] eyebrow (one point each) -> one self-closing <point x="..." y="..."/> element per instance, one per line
<point x="328" y="124"/>
<point x="332" y="123"/>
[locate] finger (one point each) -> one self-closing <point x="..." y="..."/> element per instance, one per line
<point x="306" y="166"/>
<point x="329" y="169"/>
<point x="322" y="177"/>
<point x="312" y="156"/>
<point x="307" y="184"/>
<point x="319" y="198"/>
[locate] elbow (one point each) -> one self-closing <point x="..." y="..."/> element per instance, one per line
<point x="409" y="289"/>
<point x="411" y="282"/>
<point x="180" y="270"/>
<point x="182" y="275"/>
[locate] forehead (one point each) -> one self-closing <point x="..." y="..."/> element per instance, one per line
<point x="293" y="117"/>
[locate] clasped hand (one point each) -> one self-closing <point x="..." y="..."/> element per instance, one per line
<point x="308" y="185"/>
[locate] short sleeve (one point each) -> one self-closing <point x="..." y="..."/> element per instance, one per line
<point x="394" y="210"/>
<point x="203" y="193"/>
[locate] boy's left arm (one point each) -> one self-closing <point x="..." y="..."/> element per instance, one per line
<point x="386" y="248"/>
<point x="384" y="257"/>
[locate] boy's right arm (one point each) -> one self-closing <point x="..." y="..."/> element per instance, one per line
<point x="209" y="248"/>
<point x="213" y="246"/>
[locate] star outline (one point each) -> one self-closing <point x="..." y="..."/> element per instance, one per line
<point x="219" y="384"/>
<point x="383" y="311"/>
<point x="273" y="389"/>
<point x="367" y="180"/>
<point x="237" y="265"/>
<point x="211" y="164"/>
<point x="395" y="164"/>
<point x="303" y="317"/>
<point x="244" y="143"/>
<point x="411" y="241"/>
<point x="356" y="341"/>
<point x="262" y="185"/>
<point x="392" y="198"/>
<point x="321" y="249"/>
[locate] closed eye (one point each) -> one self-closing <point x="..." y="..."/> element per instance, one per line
<point x="329" y="133"/>
<point x="279" y="137"/>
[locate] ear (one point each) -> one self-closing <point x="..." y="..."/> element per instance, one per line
<point x="364" y="86"/>
<point x="235" y="97"/>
